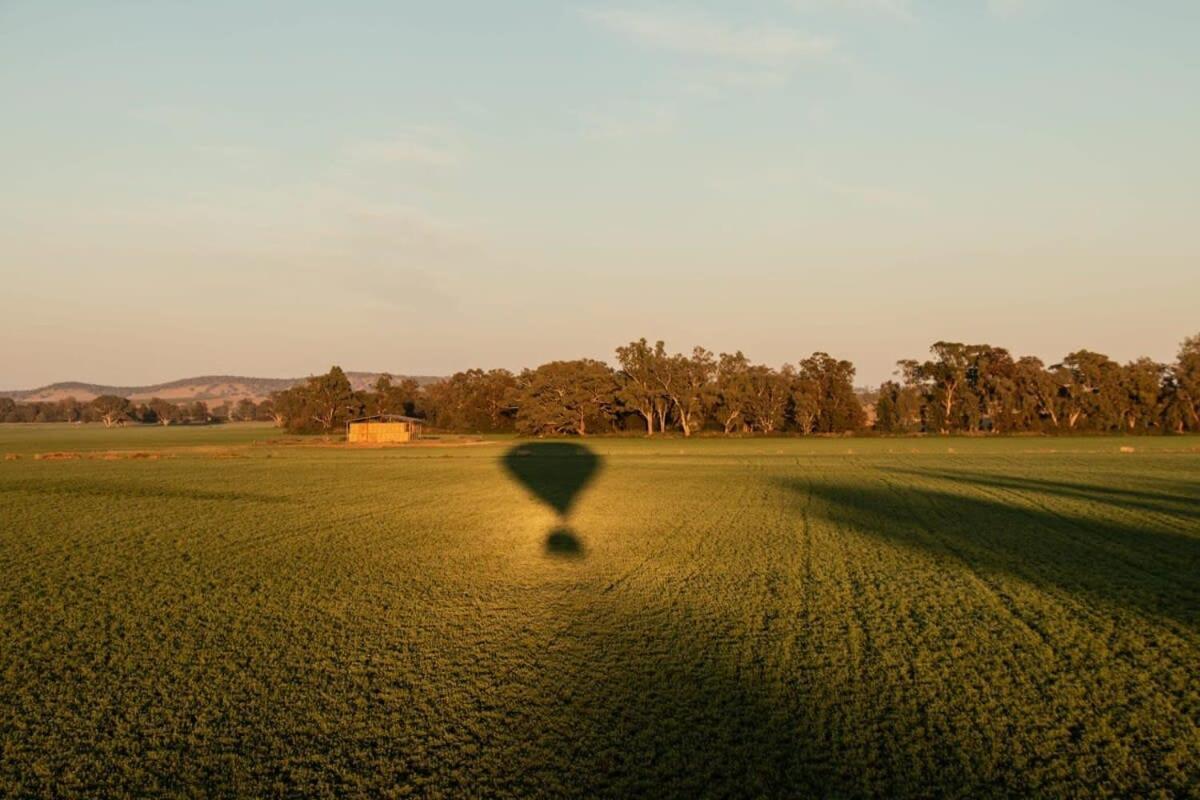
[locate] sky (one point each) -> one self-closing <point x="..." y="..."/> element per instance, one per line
<point x="269" y="188"/>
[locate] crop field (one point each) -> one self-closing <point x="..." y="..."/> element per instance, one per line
<point x="207" y="612"/>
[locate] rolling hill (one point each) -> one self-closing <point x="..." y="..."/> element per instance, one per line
<point x="210" y="388"/>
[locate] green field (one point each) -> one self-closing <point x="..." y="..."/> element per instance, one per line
<point x="754" y="617"/>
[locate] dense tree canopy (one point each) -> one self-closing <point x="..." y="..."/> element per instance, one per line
<point x="652" y="390"/>
<point x="959" y="388"/>
<point x="967" y="388"/>
<point x="566" y="397"/>
<point x="474" y="400"/>
<point x="111" y="409"/>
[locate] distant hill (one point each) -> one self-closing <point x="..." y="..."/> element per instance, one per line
<point x="210" y="388"/>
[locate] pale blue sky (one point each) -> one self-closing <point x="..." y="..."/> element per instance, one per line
<point x="269" y="188"/>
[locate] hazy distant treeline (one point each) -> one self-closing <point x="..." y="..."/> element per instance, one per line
<point x="960" y="388"/>
<point x="113" y="410"/>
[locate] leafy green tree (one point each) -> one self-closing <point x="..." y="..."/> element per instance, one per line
<point x="563" y="396"/>
<point x="290" y="409"/>
<point x="332" y="400"/>
<point x="244" y="410"/>
<point x="992" y="378"/>
<point x="110" y="409"/>
<point x="768" y="397"/>
<point x="947" y="377"/>
<point x="391" y="397"/>
<point x="638" y="379"/>
<point x="198" y="412"/>
<point x="806" y="402"/>
<point x="687" y="383"/>
<point x="733" y="390"/>
<point x="473" y="400"/>
<point x="897" y="408"/>
<point x="1173" y="406"/>
<point x="1185" y="376"/>
<point x="23" y="412"/>
<point x="1141" y="384"/>
<point x="831" y="382"/>
<point x="69" y="409"/>
<point x="1090" y="385"/>
<point x="165" y="412"/>
<point x="919" y="385"/>
<point x="1035" y="396"/>
<point x="268" y="412"/>
<point x="887" y="408"/>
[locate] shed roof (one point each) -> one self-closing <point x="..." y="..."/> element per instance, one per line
<point x="388" y="418"/>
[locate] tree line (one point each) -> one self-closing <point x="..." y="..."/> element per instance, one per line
<point x="974" y="388"/>
<point x="960" y="388"/>
<point x="650" y="391"/>
<point x="113" y="410"/>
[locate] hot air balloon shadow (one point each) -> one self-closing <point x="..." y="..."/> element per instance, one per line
<point x="556" y="473"/>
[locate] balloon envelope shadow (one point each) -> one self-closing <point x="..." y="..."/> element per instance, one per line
<point x="556" y="473"/>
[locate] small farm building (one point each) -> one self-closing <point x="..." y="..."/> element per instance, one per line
<point x="383" y="429"/>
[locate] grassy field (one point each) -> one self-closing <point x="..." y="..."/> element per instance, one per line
<point x="791" y="617"/>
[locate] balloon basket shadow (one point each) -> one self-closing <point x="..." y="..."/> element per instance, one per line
<point x="563" y="543"/>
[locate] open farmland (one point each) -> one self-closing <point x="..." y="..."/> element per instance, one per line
<point x="756" y="617"/>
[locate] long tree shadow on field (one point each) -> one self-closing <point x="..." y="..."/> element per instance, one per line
<point x="1182" y="503"/>
<point x="1150" y="571"/>
<point x="556" y="473"/>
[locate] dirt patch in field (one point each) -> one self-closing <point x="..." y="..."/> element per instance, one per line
<point x="215" y="452"/>
<point x="341" y="444"/>
<point x="103" y="455"/>
<point x="295" y="441"/>
<point x="450" y="441"/>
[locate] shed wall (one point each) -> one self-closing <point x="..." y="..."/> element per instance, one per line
<point x="380" y="432"/>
